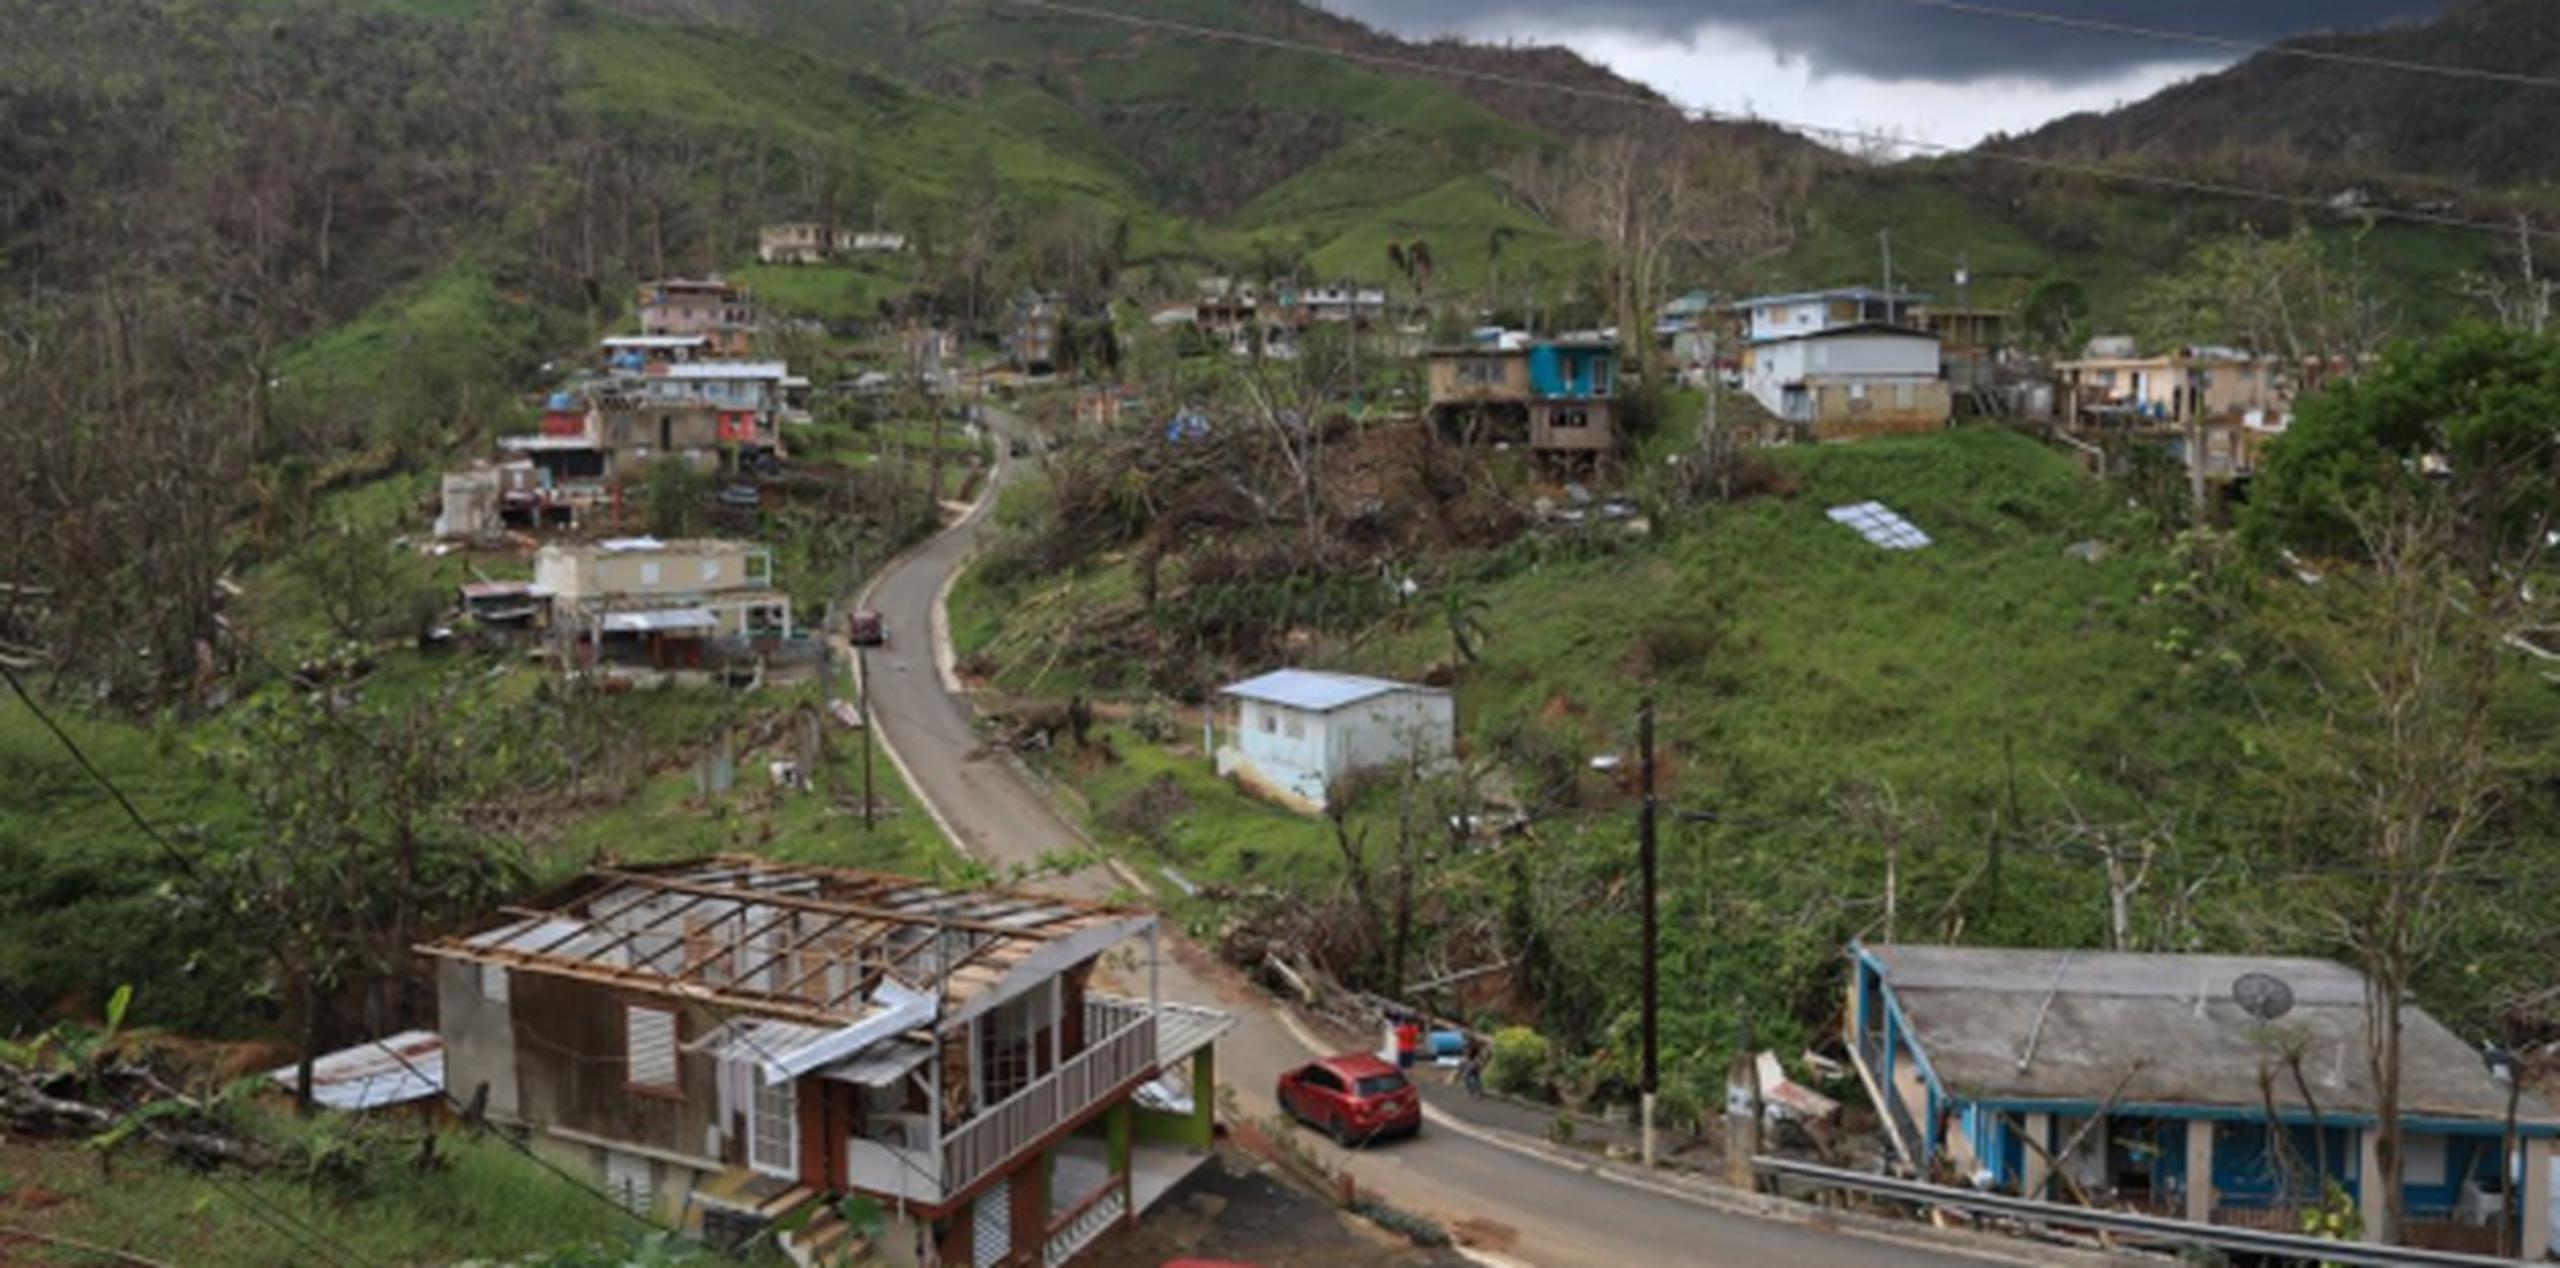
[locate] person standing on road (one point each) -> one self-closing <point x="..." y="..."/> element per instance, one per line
<point x="1471" y="1069"/>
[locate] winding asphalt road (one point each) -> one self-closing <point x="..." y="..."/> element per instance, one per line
<point x="1537" y="1209"/>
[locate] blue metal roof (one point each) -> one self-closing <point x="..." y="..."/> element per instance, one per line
<point x="1312" y="690"/>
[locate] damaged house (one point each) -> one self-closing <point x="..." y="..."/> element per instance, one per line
<point x="1553" y="395"/>
<point x="731" y="1041"/>
<point x="2162" y="1083"/>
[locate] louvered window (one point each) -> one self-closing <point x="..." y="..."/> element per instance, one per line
<point x="649" y="1037"/>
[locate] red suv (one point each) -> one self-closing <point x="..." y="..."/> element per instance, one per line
<point x="1356" y="1098"/>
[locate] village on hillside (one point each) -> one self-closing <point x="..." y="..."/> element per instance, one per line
<point x="860" y="713"/>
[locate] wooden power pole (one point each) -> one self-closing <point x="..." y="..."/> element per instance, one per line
<point x="1645" y="814"/>
<point x="862" y="685"/>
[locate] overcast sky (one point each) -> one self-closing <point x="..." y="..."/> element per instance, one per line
<point x="1900" y="66"/>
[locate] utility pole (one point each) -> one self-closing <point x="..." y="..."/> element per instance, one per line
<point x="1645" y="863"/>
<point x="1884" y="241"/>
<point x="1964" y="279"/>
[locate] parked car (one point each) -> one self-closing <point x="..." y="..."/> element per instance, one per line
<point x="1355" y="1098"/>
<point x="741" y="497"/>
<point x="865" y="629"/>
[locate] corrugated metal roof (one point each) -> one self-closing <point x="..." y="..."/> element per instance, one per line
<point x="655" y="341"/>
<point x="660" y="621"/>
<point x="729" y="370"/>
<point x="1313" y="690"/>
<point x="1867" y="329"/>
<point x="406" y="1067"/>
<point x="880" y="1065"/>
<point x="1837" y="292"/>
<point x="2152" y="1028"/>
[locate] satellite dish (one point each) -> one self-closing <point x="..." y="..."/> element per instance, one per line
<point x="2262" y="995"/>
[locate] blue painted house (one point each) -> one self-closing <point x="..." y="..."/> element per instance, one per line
<point x="1553" y="395"/>
<point x="1989" y="1065"/>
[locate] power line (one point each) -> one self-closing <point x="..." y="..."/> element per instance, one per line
<point x="1852" y="136"/>
<point x="180" y="857"/>
<point x="188" y="865"/>
<point x="2253" y="48"/>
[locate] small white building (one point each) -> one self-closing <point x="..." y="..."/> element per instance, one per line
<point x="1292" y="733"/>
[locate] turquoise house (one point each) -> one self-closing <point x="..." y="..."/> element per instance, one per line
<point x="2162" y="1082"/>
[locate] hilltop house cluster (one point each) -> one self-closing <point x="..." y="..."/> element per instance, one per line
<point x="686" y="388"/>
<point x="1852" y="362"/>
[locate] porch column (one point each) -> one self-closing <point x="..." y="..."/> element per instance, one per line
<point x="2535" y="1235"/>
<point x="2039" y="1166"/>
<point x="1204" y="1097"/>
<point x="2200" y="1134"/>
<point x="1123" y="1129"/>
<point x="2370" y="1186"/>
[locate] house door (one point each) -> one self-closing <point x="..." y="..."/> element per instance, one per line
<point x="773" y="1126"/>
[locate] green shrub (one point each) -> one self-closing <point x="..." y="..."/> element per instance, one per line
<point x="1519" y="1060"/>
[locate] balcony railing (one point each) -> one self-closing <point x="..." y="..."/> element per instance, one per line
<point x="1120" y="1046"/>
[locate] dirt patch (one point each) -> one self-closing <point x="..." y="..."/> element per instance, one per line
<point x="1484" y="1234"/>
<point x="1237" y="1209"/>
<point x="33" y="1197"/>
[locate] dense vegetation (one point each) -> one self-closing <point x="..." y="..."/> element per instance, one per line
<point x="2324" y="124"/>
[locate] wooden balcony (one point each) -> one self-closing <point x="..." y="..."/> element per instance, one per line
<point x="1121" y="1049"/>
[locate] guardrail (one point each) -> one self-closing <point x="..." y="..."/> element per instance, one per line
<point x="2148" y="1229"/>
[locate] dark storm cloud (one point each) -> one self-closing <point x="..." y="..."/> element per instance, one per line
<point x="1895" y="39"/>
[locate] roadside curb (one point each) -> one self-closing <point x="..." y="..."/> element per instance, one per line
<point x="1987" y="1248"/>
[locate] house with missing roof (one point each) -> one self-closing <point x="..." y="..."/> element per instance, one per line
<point x="728" y="1042"/>
<point x="1844" y="364"/>
<point x="2160" y="1083"/>
<point x="1294" y="734"/>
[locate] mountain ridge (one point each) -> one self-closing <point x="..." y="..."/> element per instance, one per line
<point x="2301" y="121"/>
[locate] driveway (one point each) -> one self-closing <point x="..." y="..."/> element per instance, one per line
<point x="1529" y="1206"/>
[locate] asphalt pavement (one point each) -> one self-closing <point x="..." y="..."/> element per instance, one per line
<point x="1508" y="1194"/>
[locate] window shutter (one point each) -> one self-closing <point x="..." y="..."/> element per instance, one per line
<point x="650" y="1038"/>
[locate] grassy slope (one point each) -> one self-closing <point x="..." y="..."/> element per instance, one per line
<point x="1812" y="658"/>
<point x="1823" y="657"/>
<point x="488" y="1203"/>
